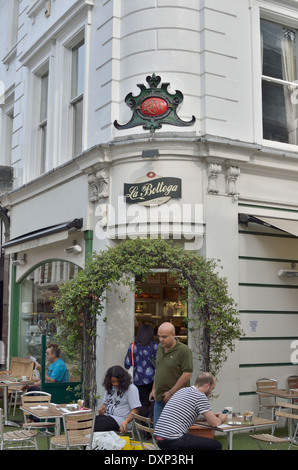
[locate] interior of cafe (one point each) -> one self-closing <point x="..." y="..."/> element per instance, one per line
<point x="160" y="299"/>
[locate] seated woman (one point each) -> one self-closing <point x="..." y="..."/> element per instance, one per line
<point x="121" y="398"/>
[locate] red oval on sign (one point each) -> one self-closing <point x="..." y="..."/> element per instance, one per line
<point x="154" y="106"/>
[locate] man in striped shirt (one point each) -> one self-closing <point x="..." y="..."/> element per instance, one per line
<point x="181" y="412"/>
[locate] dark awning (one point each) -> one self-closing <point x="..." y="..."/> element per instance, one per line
<point x="74" y="224"/>
<point x="286" y="225"/>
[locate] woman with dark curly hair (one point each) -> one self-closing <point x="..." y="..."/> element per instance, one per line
<point x="121" y="398"/>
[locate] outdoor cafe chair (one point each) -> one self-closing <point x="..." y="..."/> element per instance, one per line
<point x="42" y="426"/>
<point x="266" y="402"/>
<point x="271" y="439"/>
<point x="14" y="439"/>
<point x="19" y="367"/>
<point x="78" y="428"/>
<point x="293" y="383"/>
<point x="144" y="425"/>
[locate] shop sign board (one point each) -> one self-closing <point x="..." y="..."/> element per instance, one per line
<point x="153" y="190"/>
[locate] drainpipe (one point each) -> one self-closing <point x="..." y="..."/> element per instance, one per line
<point x="88" y="237"/>
<point x="14" y="313"/>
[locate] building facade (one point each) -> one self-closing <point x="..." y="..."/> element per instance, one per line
<point x="81" y="154"/>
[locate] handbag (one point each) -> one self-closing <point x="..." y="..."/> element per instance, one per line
<point x="130" y="370"/>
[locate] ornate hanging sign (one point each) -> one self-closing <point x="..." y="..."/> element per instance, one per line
<point x="152" y="189"/>
<point x="154" y="106"/>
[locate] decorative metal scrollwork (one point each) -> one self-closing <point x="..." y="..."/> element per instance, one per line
<point x="154" y="106"/>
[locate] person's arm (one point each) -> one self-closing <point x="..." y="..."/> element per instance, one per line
<point x="215" y="419"/>
<point x="152" y="393"/>
<point x="181" y="382"/>
<point x="47" y="377"/>
<point x="123" y="425"/>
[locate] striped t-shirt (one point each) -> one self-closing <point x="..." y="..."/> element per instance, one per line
<point x="180" y="412"/>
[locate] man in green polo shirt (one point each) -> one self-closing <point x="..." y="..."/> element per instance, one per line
<point x="174" y="367"/>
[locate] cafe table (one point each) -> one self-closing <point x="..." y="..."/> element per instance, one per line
<point x="287" y="394"/>
<point x="8" y="381"/>
<point x="237" y="424"/>
<point x="50" y="411"/>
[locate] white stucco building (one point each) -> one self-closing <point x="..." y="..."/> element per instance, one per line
<point x="67" y="67"/>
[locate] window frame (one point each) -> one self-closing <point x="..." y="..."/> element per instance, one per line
<point x="267" y="79"/>
<point x="282" y="16"/>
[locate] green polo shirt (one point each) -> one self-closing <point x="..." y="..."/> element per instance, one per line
<point x="170" y="366"/>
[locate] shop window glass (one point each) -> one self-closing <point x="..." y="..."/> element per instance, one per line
<point x="37" y="291"/>
<point x="279" y="54"/>
<point x="43" y="121"/>
<point x="77" y="94"/>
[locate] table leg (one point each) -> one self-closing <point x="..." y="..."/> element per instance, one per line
<point x="57" y="427"/>
<point x="230" y="440"/>
<point x="5" y="406"/>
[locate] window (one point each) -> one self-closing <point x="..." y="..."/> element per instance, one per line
<point x="77" y="91"/>
<point x="43" y="121"/>
<point x="279" y="82"/>
<point x="38" y="290"/>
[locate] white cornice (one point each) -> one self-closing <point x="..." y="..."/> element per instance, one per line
<point x="77" y="13"/>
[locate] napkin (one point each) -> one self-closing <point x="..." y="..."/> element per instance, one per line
<point x="39" y="407"/>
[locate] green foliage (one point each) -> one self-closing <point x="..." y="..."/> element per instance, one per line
<point x="213" y="320"/>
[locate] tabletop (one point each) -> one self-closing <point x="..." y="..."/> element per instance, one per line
<point x="43" y="411"/>
<point x="279" y="392"/>
<point x="48" y="410"/>
<point x="238" y="424"/>
<point x="7" y="380"/>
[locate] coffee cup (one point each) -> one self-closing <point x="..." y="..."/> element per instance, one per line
<point x="24" y="378"/>
<point x="229" y="411"/>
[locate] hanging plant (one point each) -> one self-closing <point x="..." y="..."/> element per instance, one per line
<point x="213" y="319"/>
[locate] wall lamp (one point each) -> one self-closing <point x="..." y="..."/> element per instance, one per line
<point x="73" y="250"/>
<point x="289" y="272"/>
<point x="19" y="262"/>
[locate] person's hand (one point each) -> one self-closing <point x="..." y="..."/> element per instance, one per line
<point x="102" y="410"/>
<point x="166" y="396"/>
<point x="123" y="426"/>
<point x="223" y="417"/>
<point x="38" y="366"/>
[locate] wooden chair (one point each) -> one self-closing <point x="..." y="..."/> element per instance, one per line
<point x="42" y="426"/>
<point x="79" y="429"/>
<point x="293" y="381"/>
<point x="145" y="424"/>
<point x="13" y="439"/>
<point x="269" y="439"/>
<point x="20" y="366"/>
<point x="266" y="402"/>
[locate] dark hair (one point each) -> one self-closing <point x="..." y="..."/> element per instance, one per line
<point x="145" y="334"/>
<point x="54" y="348"/>
<point x="120" y="374"/>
